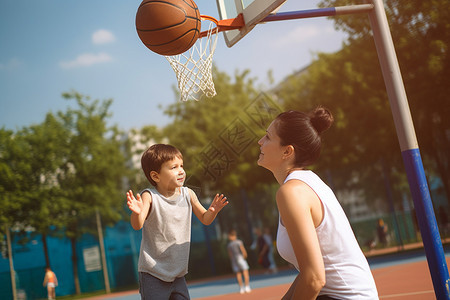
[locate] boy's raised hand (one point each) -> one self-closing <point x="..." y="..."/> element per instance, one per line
<point x="134" y="204"/>
<point x="219" y="202"/>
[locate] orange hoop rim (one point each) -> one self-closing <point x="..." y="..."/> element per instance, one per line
<point x="222" y="25"/>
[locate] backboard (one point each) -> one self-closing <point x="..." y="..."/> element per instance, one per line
<point x="253" y="11"/>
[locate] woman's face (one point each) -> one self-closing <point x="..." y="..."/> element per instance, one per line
<point x="271" y="149"/>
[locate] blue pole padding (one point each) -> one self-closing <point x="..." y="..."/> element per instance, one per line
<point x="427" y="222"/>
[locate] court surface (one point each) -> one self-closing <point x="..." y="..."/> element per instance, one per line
<point x="398" y="276"/>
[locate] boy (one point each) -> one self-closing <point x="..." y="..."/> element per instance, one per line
<point x="238" y="256"/>
<point x="164" y="212"/>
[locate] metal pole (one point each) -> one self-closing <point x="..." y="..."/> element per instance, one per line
<point x="247" y="213"/>
<point x="410" y="150"/>
<point x="209" y="249"/>
<point x="319" y="12"/>
<point x="102" y="251"/>
<point x="11" y="263"/>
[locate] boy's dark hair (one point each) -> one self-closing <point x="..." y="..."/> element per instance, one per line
<point x="232" y="232"/>
<point x="153" y="158"/>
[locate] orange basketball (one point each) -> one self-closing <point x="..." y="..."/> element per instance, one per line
<point x="168" y="27"/>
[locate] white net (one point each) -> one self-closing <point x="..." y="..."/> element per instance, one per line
<point x="194" y="68"/>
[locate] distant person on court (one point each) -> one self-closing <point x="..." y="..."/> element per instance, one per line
<point x="263" y="249"/>
<point x="238" y="256"/>
<point x="164" y="213"/>
<point x="50" y="281"/>
<point x="268" y="238"/>
<point x="314" y="233"/>
<point x="382" y="232"/>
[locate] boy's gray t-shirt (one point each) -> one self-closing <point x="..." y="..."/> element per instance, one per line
<point x="235" y="249"/>
<point x="166" y="236"/>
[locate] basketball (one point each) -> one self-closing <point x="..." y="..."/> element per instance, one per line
<point x="168" y="27"/>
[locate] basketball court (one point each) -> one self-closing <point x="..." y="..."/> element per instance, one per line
<point x="398" y="276"/>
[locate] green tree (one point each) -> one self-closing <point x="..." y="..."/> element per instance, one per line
<point x="56" y="175"/>
<point x="30" y="195"/>
<point x="350" y="83"/>
<point x="421" y="35"/>
<point x="45" y="151"/>
<point x="93" y="170"/>
<point x="13" y="179"/>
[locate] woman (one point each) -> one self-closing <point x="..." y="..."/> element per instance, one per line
<point x="313" y="232"/>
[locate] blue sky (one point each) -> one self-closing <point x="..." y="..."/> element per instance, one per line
<point x="48" y="47"/>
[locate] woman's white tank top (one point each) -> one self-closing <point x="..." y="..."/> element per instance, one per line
<point x="347" y="272"/>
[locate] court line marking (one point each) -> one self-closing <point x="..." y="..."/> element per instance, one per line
<point x="407" y="294"/>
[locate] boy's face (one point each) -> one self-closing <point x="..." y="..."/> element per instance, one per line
<point x="172" y="174"/>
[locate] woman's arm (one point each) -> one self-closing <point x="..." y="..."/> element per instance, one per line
<point x="301" y="212"/>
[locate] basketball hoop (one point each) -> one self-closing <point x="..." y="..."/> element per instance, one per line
<point x="193" y="68"/>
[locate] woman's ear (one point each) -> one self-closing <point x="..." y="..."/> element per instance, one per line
<point x="288" y="152"/>
<point x="155" y="176"/>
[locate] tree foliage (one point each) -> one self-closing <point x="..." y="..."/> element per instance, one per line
<point x="56" y="175"/>
<point x="93" y="170"/>
<point x="44" y="145"/>
<point x="13" y="178"/>
<point x="350" y="83"/>
<point x="94" y="166"/>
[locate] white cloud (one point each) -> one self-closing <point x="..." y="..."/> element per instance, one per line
<point x="103" y="36"/>
<point x="85" y="60"/>
<point x="11" y="64"/>
<point x="301" y="34"/>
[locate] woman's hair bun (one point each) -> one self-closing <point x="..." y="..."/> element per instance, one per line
<point x="321" y="119"/>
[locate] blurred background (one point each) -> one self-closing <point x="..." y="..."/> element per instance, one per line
<point x="69" y="150"/>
